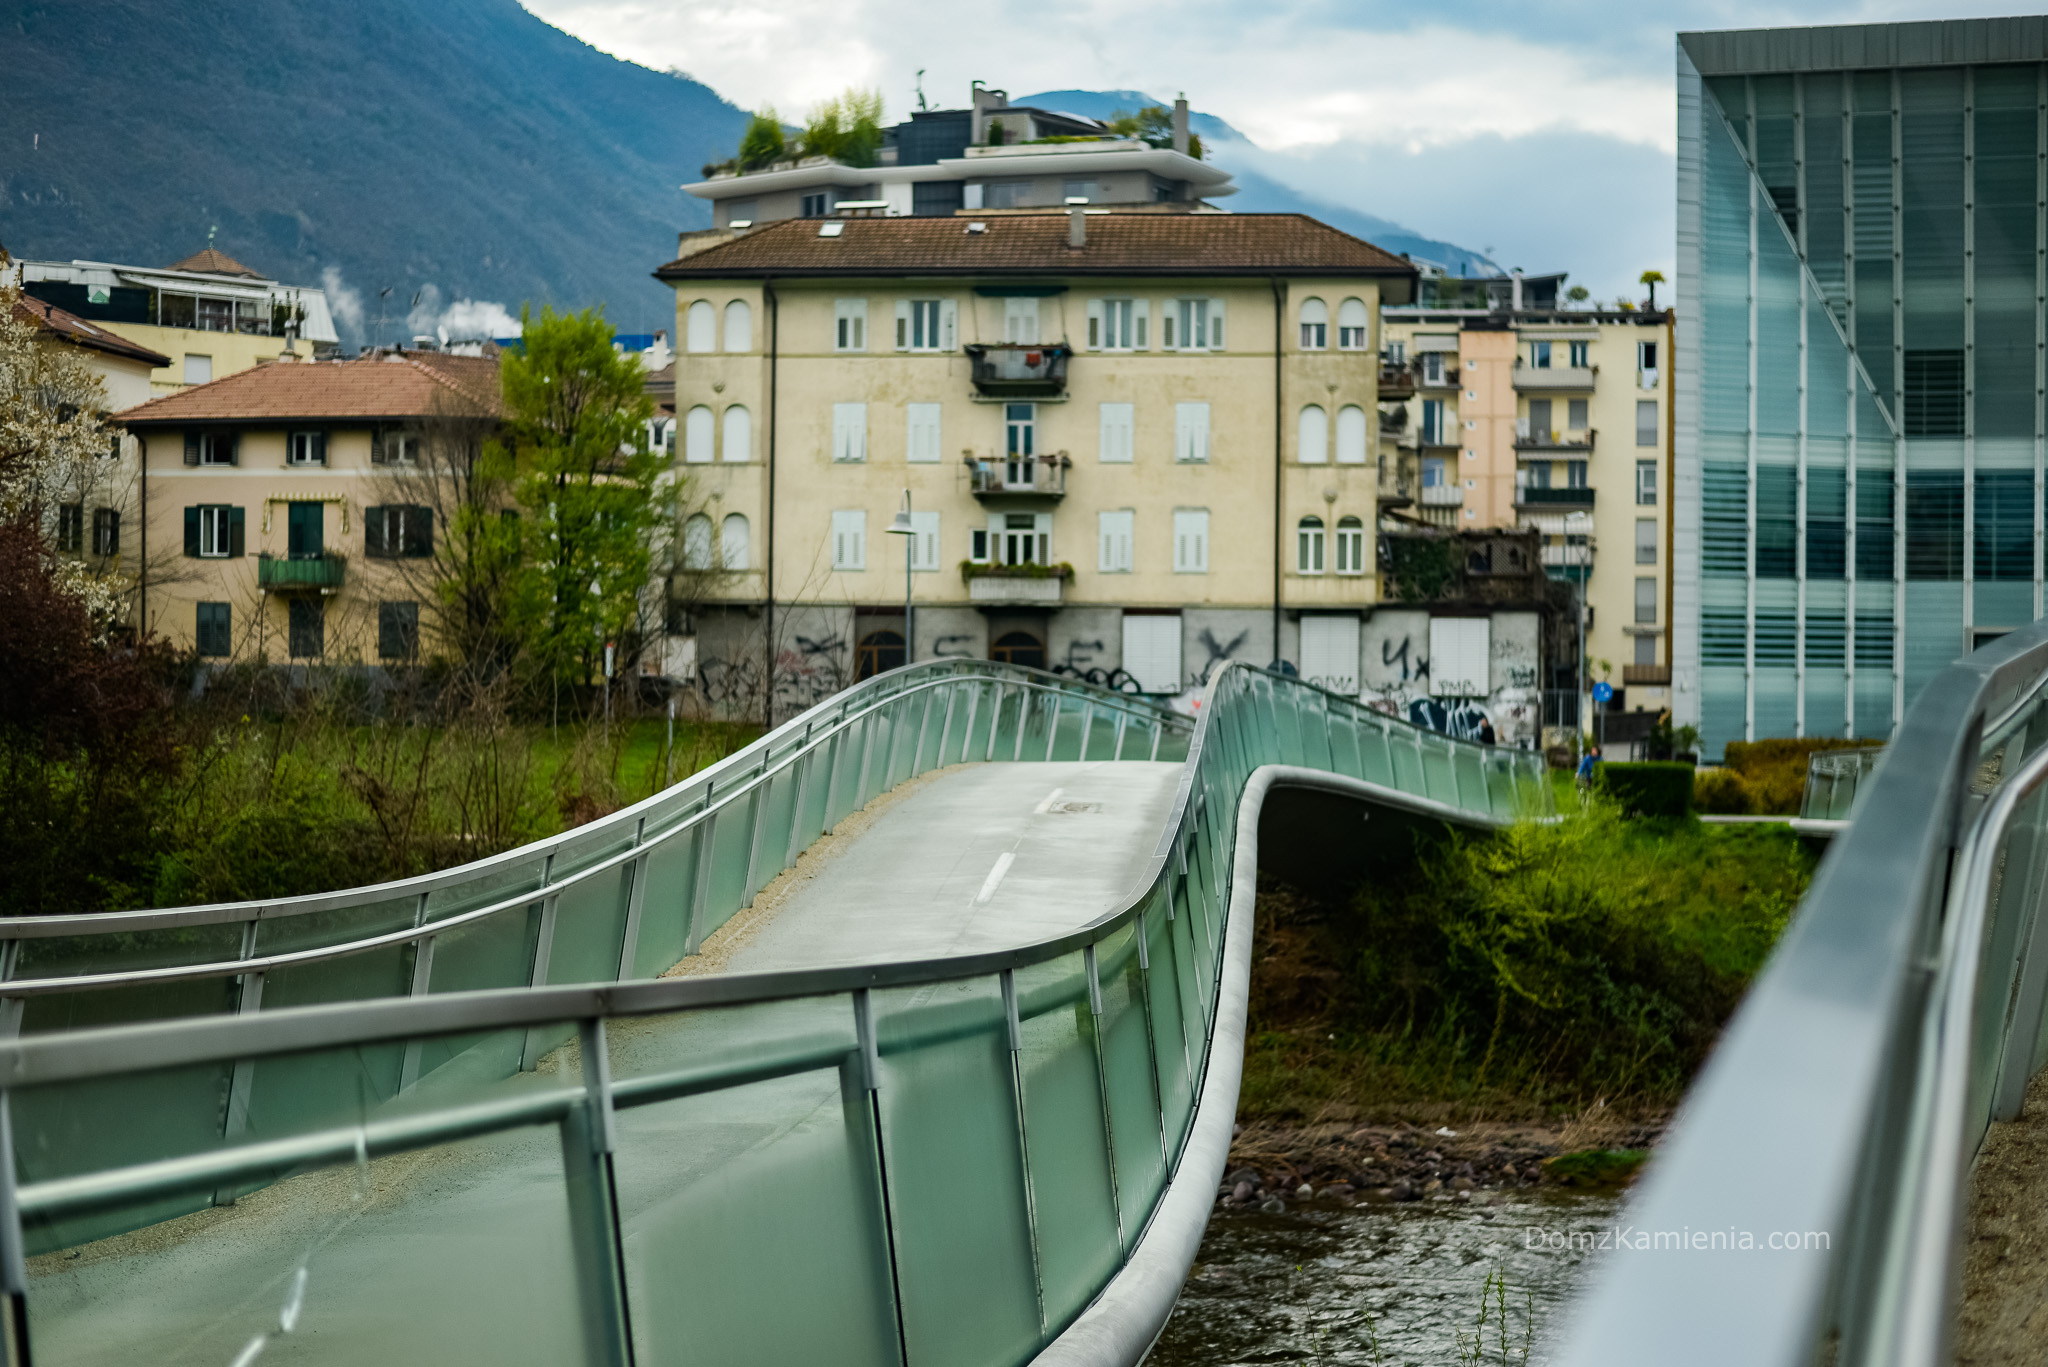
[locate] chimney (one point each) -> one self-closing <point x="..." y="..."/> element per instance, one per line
<point x="1515" y="291"/>
<point x="1180" y="125"/>
<point x="1077" y="226"/>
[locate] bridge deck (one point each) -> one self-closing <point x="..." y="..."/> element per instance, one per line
<point x="461" y="1253"/>
<point x="976" y="858"/>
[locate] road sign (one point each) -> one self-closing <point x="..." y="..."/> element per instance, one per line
<point x="1602" y="691"/>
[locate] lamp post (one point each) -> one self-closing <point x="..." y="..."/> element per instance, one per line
<point x="902" y="527"/>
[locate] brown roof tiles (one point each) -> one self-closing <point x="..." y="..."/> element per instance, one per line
<point x="412" y="385"/>
<point x="1036" y="244"/>
<point x="42" y="314"/>
<point x="214" y="262"/>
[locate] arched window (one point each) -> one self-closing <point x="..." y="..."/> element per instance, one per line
<point x="739" y="435"/>
<point x="1018" y="648"/>
<point x="1315" y="436"/>
<point x="697" y="542"/>
<point x="1350" y="546"/>
<point x="1315" y="325"/>
<point x="700" y="333"/>
<point x="1308" y="546"/>
<point x="1351" y="435"/>
<point x="877" y="651"/>
<point x="739" y="326"/>
<point x="732" y="542"/>
<point x="697" y="432"/>
<point x="1352" y="325"/>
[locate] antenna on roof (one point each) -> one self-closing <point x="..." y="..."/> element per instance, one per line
<point x="921" y="105"/>
<point x="210" y="232"/>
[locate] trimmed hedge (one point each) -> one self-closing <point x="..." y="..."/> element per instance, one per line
<point x="1648" y="789"/>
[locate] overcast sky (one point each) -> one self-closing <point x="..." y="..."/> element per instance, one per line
<point x="1541" y="133"/>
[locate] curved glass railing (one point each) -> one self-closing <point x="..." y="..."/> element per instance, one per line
<point x="939" y="1160"/>
<point x="1808" y="1205"/>
<point x="1834" y="778"/>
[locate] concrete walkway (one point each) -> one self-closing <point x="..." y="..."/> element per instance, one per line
<point x="981" y="858"/>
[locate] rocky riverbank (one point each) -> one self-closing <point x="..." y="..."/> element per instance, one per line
<point x="1275" y="1166"/>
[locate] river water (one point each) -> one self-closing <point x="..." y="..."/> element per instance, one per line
<point x="1381" y="1283"/>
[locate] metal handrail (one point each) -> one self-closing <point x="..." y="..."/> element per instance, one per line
<point x="1181" y="907"/>
<point x="1838" y="1105"/>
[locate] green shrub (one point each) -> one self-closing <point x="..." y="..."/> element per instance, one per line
<point x="1774" y="769"/>
<point x="1722" y="792"/>
<point x="1650" y="789"/>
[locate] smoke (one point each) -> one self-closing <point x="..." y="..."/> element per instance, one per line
<point x="467" y="318"/>
<point x="343" y="302"/>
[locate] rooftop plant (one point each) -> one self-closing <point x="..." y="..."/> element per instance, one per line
<point x="1153" y="126"/>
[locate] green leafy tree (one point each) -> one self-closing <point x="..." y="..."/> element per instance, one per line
<point x="1153" y="126"/>
<point x="847" y="128"/>
<point x="592" y="494"/>
<point x="762" y="144"/>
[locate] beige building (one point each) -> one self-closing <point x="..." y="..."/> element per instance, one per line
<point x="97" y="519"/>
<point x="208" y="315"/>
<point x="1137" y="444"/>
<point x="1557" y="420"/>
<point x="288" y="516"/>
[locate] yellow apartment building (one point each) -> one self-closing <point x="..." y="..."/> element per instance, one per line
<point x="291" y="514"/>
<point x="1133" y="444"/>
<point x="1557" y="420"/>
<point x="209" y="316"/>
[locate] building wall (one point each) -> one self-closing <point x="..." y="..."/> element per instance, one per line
<point x="262" y="485"/>
<point x="227" y="352"/>
<point x="1226" y="610"/>
<point x="1861" y="451"/>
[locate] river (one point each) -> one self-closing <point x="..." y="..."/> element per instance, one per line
<point x="1381" y="1283"/>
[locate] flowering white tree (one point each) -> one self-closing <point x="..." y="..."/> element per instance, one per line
<point x="54" y="446"/>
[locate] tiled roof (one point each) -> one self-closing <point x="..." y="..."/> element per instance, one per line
<point x="214" y="262"/>
<point x="1036" y="244"/>
<point x="413" y="385"/>
<point x="38" y="313"/>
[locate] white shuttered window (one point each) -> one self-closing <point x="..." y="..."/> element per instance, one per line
<point x="1152" y="651"/>
<point x="700" y="327"/>
<point x="739" y="435"/>
<point x="922" y="422"/>
<point x="924" y="541"/>
<point x="849" y="325"/>
<point x="1351" y="435"/>
<point x="1115" y="531"/>
<point x="849" y="431"/>
<point x="849" y="539"/>
<point x="1119" y="433"/>
<point x="698" y="429"/>
<point x="1191" y="541"/>
<point x="1314" y="448"/>
<point x="1458" y="656"/>
<point x="1191" y="432"/>
<point x="739" y="326"/>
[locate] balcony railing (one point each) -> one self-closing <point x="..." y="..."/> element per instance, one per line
<point x="1645" y="674"/>
<point x="1559" y="557"/>
<point x="1026" y="477"/>
<point x="300" y="574"/>
<point x="1568" y="445"/>
<point x="1553" y="498"/>
<point x="1574" y="378"/>
<point x="1014" y="370"/>
<point x="1396" y="382"/>
<point x="1443" y="495"/>
<point x="1016" y="585"/>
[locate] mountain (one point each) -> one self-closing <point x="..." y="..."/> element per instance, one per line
<point x="448" y="149"/>
<point x="1260" y="193"/>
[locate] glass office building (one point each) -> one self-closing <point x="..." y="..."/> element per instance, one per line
<point x="1863" y="269"/>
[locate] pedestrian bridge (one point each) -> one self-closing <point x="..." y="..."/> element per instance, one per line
<point x="908" y="1035"/>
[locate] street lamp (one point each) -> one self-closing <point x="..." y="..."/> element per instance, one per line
<point x="901" y="527"/>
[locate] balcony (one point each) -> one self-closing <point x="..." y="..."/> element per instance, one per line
<point x="1014" y="370"/>
<point x="1567" y="557"/>
<point x="1645" y="674"/>
<point x="1552" y="446"/>
<point x="1572" y="379"/>
<point x="1553" y="498"/>
<point x="1396" y="382"/>
<point x="304" y="574"/>
<point x="1037" y="586"/>
<point x="1447" y="378"/>
<point x="1443" y="495"/>
<point x="1031" y="477"/>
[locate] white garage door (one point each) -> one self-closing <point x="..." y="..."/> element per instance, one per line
<point x="1458" y="656"/>
<point x="1329" y="652"/>
<point x="1152" y="651"/>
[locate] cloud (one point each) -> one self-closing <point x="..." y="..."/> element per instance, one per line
<point x="470" y="318"/>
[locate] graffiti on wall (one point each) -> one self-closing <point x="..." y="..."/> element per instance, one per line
<point x="1398" y="679"/>
<point x="1218" y="652"/>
